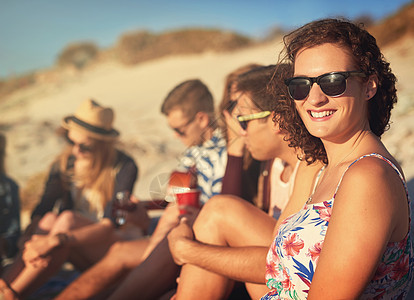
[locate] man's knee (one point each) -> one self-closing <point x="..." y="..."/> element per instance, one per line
<point x="117" y="249"/>
<point x="220" y="207"/>
<point x="214" y="212"/>
<point x="121" y="254"/>
<point x="220" y="211"/>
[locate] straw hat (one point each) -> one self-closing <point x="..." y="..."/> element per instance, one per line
<point x="93" y="119"/>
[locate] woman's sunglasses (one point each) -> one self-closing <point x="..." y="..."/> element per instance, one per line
<point x="244" y="120"/>
<point x="332" y="84"/>
<point x="82" y="147"/>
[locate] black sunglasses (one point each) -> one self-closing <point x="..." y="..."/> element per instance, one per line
<point x="82" y="147"/>
<point x="244" y="120"/>
<point x="332" y="84"/>
<point x="179" y="130"/>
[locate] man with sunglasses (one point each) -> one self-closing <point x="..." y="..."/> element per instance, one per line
<point x="189" y="109"/>
<point x="233" y="236"/>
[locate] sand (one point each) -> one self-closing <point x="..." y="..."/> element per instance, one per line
<point x="30" y="116"/>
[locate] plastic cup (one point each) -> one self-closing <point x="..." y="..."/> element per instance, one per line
<point x="190" y="197"/>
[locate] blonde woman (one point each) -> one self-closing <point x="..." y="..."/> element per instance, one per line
<point x="82" y="186"/>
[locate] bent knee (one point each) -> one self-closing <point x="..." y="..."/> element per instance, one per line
<point x="211" y="213"/>
<point x="220" y="205"/>
<point x="106" y="222"/>
<point x="47" y="221"/>
<point x="64" y="222"/>
<point x="220" y="209"/>
<point x="67" y="215"/>
<point x="119" y="254"/>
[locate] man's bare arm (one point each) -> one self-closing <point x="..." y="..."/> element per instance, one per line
<point x="245" y="264"/>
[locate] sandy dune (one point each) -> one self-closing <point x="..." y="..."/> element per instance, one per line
<point x="29" y="117"/>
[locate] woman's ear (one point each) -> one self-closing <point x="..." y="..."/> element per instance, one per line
<point x="371" y="87"/>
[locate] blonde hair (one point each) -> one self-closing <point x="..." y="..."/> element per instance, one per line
<point x="98" y="177"/>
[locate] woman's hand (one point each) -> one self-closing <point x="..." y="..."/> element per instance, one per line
<point x="178" y="239"/>
<point x="36" y="250"/>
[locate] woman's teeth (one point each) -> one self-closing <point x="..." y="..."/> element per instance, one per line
<point x="321" y="114"/>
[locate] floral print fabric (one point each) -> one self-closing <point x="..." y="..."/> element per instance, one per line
<point x="293" y="256"/>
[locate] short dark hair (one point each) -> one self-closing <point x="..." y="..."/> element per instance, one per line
<point x="191" y="96"/>
<point x="367" y="57"/>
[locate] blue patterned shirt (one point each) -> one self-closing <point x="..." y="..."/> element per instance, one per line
<point x="210" y="161"/>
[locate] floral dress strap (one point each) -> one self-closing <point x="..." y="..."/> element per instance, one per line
<point x="380" y="157"/>
<point x="315" y="184"/>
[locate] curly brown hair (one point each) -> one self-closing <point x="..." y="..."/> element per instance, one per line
<point x="367" y="56"/>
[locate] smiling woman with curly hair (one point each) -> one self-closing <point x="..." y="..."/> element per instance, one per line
<point x="351" y="239"/>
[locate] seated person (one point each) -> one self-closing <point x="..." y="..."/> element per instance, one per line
<point x="189" y="109"/>
<point x="228" y="225"/>
<point x="241" y="167"/>
<point x="157" y="274"/>
<point x="9" y="209"/>
<point x="85" y="179"/>
<point x="348" y="235"/>
<point x="251" y="81"/>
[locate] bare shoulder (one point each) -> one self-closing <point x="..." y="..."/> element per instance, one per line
<point x="373" y="170"/>
<point x="372" y="182"/>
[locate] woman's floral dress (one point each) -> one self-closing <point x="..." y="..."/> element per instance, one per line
<point x="293" y="255"/>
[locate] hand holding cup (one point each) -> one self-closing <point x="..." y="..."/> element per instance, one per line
<point x="190" y="197"/>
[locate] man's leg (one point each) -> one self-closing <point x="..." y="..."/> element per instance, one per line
<point x="168" y="220"/>
<point x="225" y="221"/>
<point x="152" y="278"/>
<point x="121" y="258"/>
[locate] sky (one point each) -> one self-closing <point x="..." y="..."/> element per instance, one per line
<point x="34" y="32"/>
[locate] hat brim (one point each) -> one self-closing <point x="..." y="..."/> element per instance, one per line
<point x="71" y="122"/>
